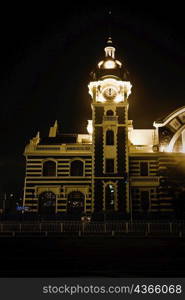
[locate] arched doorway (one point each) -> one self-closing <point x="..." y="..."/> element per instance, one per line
<point x="47" y="203"/>
<point x="75" y="202"/>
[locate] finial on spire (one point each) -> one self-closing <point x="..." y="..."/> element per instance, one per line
<point x="109" y="41"/>
<point x="109" y="49"/>
<point x="110" y="22"/>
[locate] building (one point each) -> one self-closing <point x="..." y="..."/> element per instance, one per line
<point x="112" y="167"/>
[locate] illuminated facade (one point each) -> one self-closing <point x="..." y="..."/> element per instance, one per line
<point x="113" y="167"/>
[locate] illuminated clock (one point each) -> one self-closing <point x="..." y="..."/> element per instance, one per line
<point x="110" y="93"/>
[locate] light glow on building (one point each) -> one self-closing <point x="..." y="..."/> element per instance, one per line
<point x="89" y="127"/>
<point x="109" y="64"/>
<point x="81" y="164"/>
<point x="119" y="98"/>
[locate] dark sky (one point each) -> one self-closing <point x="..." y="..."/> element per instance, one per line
<point x="48" y="52"/>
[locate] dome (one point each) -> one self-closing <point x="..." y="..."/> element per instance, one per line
<point x="110" y="66"/>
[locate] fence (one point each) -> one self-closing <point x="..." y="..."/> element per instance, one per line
<point x="94" y="228"/>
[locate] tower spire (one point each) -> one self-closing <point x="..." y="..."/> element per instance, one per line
<point x="109" y="23"/>
<point x="109" y="49"/>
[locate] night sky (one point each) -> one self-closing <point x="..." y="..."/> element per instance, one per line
<point x="48" y="52"/>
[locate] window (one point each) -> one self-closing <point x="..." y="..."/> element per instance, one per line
<point x="109" y="197"/>
<point x="145" y="202"/>
<point x="49" y="168"/>
<point x="110" y="112"/>
<point x="110" y="137"/>
<point x="77" y="168"/>
<point x="109" y="166"/>
<point x="144" y="168"/>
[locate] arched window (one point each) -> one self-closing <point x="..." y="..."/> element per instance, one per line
<point x="110" y="137"/>
<point x="77" y="168"/>
<point x="110" y="112"/>
<point x="49" y="168"/>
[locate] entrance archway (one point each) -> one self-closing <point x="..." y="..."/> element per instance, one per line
<point x="75" y="202"/>
<point x="47" y="203"/>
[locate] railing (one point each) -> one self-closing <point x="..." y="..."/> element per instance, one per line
<point x="145" y="178"/>
<point x="64" y="148"/>
<point x="95" y="228"/>
<point x="78" y="148"/>
<point x="110" y="118"/>
<point x="38" y="148"/>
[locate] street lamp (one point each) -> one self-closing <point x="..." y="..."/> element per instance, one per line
<point x="130" y="197"/>
<point x="4" y="203"/>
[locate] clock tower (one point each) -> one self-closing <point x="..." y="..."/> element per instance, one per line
<point x="110" y="89"/>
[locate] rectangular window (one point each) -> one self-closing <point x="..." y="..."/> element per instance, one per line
<point x="145" y="200"/>
<point x="109" y="166"/>
<point x="144" y="168"/>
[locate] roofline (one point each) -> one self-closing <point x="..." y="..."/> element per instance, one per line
<point x="167" y="119"/>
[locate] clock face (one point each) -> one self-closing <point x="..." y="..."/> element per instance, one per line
<point x="110" y="93"/>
